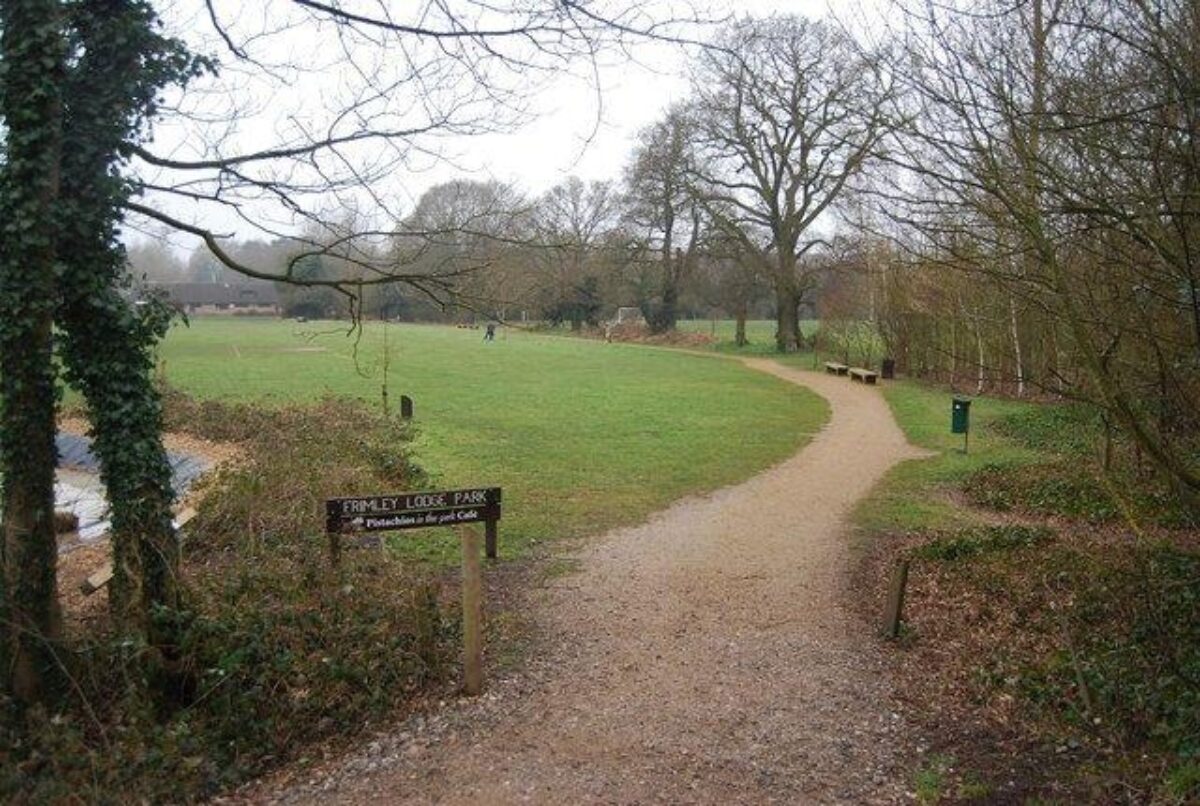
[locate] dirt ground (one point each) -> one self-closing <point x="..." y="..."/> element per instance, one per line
<point x="709" y="655"/>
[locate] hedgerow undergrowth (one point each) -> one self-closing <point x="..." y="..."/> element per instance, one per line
<point x="1066" y="630"/>
<point x="279" y="649"/>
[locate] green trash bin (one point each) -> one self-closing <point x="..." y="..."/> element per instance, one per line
<point x="960" y="416"/>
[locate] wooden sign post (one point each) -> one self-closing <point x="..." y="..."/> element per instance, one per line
<point x="456" y="508"/>
<point x="472" y="612"/>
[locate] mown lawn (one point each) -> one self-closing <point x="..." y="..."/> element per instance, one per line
<point x="760" y="333"/>
<point x="582" y="435"/>
<point x="914" y="494"/>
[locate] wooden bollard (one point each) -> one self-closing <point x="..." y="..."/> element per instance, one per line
<point x="894" y="612"/>
<point x="472" y="611"/>
<point x="406" y="407"/>
<point x="335" y="549"/>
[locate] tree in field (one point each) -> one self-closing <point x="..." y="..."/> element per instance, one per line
<point x="154" y="262"/>
<point x="788" y="111"/>
<point x="727" y="278"/>
<point x="312" y="302"/>
<point x="80" y="84"/>
<point x="576" y="224"/>
<point x="666" y="215"/>
<point x="482" y="229"/>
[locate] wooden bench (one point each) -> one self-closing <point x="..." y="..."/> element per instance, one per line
<point x="863" y="375"/>
<point x="833" y="368"/>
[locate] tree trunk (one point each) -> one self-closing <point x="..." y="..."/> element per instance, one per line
<point x="953" y="353"/>
<point x="787" y="332"/>
<point x="739" y="333"/>
<point x="668" y="314"/>
<point x="1016" y="336"/>
<point x="107" y="344"/>
<point x="31" y="49"/>
<point x="114" y="370"/>
<point x="979" y="350"/>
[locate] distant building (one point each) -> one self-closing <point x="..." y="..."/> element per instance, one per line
<point x="255" y="297"/>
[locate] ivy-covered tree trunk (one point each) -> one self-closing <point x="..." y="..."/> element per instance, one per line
<point x="107" y="344"/>
<point x="32" y="54"/>
<point x="111" y="365"/>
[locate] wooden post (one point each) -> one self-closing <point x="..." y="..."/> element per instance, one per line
<point x="406" y="407"/>
<point x="895" y="602"/>
<point x="472" y="615"/>
<point x="386" y="364"/>
<point x="490" y="530"/>
<point x="335" y="548"/>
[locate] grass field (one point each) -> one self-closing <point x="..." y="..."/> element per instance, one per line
<point x="908" y="497"/>
<point x="856" y="344"/>
<point x="582" y="435"/>
<point x="759" y="332"/>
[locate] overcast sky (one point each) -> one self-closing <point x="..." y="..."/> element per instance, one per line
<point x="570" y="128"/>
<point x="566" y="137"/>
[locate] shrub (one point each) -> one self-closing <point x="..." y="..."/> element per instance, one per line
<point x="1067" y="428"/>
<point x="981" y="540"/>
<point x="1135" y="664"/>
<point x="1073" y="489"/>
<point x="296" y="457"/>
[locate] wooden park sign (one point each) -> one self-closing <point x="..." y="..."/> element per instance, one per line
<point x="456" y="508"/>
<point x="389" y="513"/>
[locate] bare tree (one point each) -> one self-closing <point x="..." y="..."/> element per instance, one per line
<point x="154" y="262"/>
<point x="664" y="210"/>
<point x="482" y="230"/>
<point x="788" y="112"/>
<point x="576" y="224"/>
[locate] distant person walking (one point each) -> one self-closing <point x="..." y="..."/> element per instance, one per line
<point x="490" y="333"/>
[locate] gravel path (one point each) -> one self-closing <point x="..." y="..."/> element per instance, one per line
<point x="709" y="655"/>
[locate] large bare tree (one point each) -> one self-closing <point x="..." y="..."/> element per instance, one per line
<point x="788" y="111"/>
<point x="575" y="223"/>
